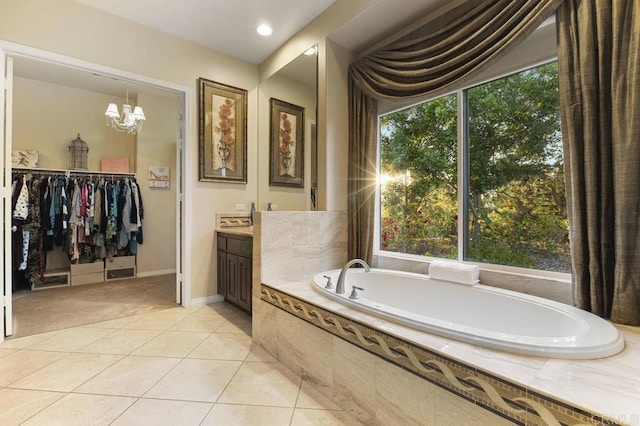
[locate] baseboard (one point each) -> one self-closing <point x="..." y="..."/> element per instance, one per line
<point x="201" y="301"/>
<point x="155" y="273"/>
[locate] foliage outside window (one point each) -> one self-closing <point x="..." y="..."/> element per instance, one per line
<point x="516" y="212"/>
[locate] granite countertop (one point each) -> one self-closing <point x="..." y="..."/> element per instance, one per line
<point x="238" y="230"/>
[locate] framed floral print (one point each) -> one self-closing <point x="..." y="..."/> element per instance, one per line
<point x="286" y="153"/>
<point x="222" y="132"/>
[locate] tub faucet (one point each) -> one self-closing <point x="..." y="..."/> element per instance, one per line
<point x="343" y="273"/>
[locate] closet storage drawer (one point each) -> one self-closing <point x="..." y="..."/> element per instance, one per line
<point x="119" y="273"/>
<point x="120" y="262"/>
<point x="81" y="279"/>
<point x="87" y="273"/>
<point x="53" y="279"/>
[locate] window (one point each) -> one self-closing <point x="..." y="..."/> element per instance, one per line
<point x="514" y="204"/>
<point x="419" y="179"/>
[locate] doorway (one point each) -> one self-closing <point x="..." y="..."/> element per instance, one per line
<point x="42" y="74"/>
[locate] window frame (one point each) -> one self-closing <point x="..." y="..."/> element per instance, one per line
<point x="463" y="182"/>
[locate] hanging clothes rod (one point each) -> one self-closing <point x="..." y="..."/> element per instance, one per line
<point x="56" y="172"/>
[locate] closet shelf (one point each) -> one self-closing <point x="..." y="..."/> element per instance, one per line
<point x="71" y="172"/>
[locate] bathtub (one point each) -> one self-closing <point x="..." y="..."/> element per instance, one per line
<point x="480" y="315"/>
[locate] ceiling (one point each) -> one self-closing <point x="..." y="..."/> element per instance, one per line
<point x="228" y="26"/>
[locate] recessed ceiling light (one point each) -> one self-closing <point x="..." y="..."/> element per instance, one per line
<point x="310" y="51"/>
<point x="264" y="30"/>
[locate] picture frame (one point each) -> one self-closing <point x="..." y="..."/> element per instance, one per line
<point x="286" y="144"/>
<point x="222" y="132"/>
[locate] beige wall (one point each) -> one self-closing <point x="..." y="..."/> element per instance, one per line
<point x="288" y="90"/>
<point x="72" y="29"/>
<point x="333" y="137"/>
<point x="157" y="147"/>
<point x="46" y="117"/>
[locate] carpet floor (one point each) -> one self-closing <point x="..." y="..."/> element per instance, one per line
<point x="40" y="311"/>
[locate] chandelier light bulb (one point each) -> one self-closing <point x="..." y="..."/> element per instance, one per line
<point x="131" y="120"/>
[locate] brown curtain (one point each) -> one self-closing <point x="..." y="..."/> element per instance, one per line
<point x="599" y="74"/>
<point x="428" y="60"/>
<point x="363" y="111"/>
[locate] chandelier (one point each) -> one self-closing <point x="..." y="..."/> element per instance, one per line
<point x="131" y="120"/>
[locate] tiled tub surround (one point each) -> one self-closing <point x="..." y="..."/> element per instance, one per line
<point x="384" y="373"/>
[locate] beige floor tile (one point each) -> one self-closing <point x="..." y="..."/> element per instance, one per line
<point x="220" y="308"/>
<point x="67" y="373"/>
<point x="177" y="310"/>
<point x="25" y="342"/>
<point x="231" y="346"/>
<point x="195" y="380"/>
<point x="120" y="342"/>
<point x="205" y="313"/>
<point x="307" y="417"/>
<point x="71" y="339"/>
<point x="172" y="344"/>
<point x="310" y="397"/>
<point x="192" y="323"/>
<point x="236" y="324"/>
<point x="258" y="383"/>
<point x="160" y="320"/>
<point x="154" y="412"/>
<point x="22" y="363"/>
<point x="131" y="376"/>
<point x="114" y="323"/>
<point x="17" y="405"/>
<point x="248" y="415"/>
<point x="82" y="410"/>
<point x="6" y="352"/>
<point x="259" y="355"/>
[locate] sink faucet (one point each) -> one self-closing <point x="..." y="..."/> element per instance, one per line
<point x="343" y="273"/>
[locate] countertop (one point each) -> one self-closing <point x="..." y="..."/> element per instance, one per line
<point x="246" y="231"/>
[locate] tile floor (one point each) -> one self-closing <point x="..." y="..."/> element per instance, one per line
<point x="180" y="366"/>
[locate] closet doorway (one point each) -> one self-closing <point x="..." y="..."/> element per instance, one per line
<point x="51" y="103"/>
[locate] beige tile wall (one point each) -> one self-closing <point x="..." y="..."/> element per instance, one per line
<point x="292" y="247"/>
<point x="371" y="389"/>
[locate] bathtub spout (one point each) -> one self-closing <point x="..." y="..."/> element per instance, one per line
<point x="343" y="273"/>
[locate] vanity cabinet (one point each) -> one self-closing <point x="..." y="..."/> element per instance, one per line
<point x="235" y="253"/>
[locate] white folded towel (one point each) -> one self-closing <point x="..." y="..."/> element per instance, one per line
<point x="454" y="271"/>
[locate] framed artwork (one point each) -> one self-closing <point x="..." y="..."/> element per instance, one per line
<point x="223" y="132"/>
<point x="158" y="177"/>
<point x="286" y="152"/>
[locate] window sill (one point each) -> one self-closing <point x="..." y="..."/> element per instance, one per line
<point x="550" y="285"/>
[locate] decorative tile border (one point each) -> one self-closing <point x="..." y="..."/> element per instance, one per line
<point x="509" y="400"/>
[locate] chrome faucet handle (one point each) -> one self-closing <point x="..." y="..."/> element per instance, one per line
<point x="354" y="293"/>
<point x="329" y="285"/>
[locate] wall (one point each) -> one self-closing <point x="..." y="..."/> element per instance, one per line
<point x="333" y="109"/>
<point x="77" y="31"/>
<point x="332" y="125"/>
<point x="47" y="117"/>
<point x="157" y="147"/>
<point x="288" y="90"/>
<point x="69" y="28"/>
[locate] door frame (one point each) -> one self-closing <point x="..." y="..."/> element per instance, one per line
<point x="183" y="256"/>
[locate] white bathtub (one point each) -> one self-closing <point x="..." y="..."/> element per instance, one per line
<point x="480" y="315"/>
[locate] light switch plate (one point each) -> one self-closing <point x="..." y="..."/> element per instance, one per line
<point x="240" y="207"/>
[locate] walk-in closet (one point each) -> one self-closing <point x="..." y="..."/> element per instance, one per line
<point x="94" y="223"/>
